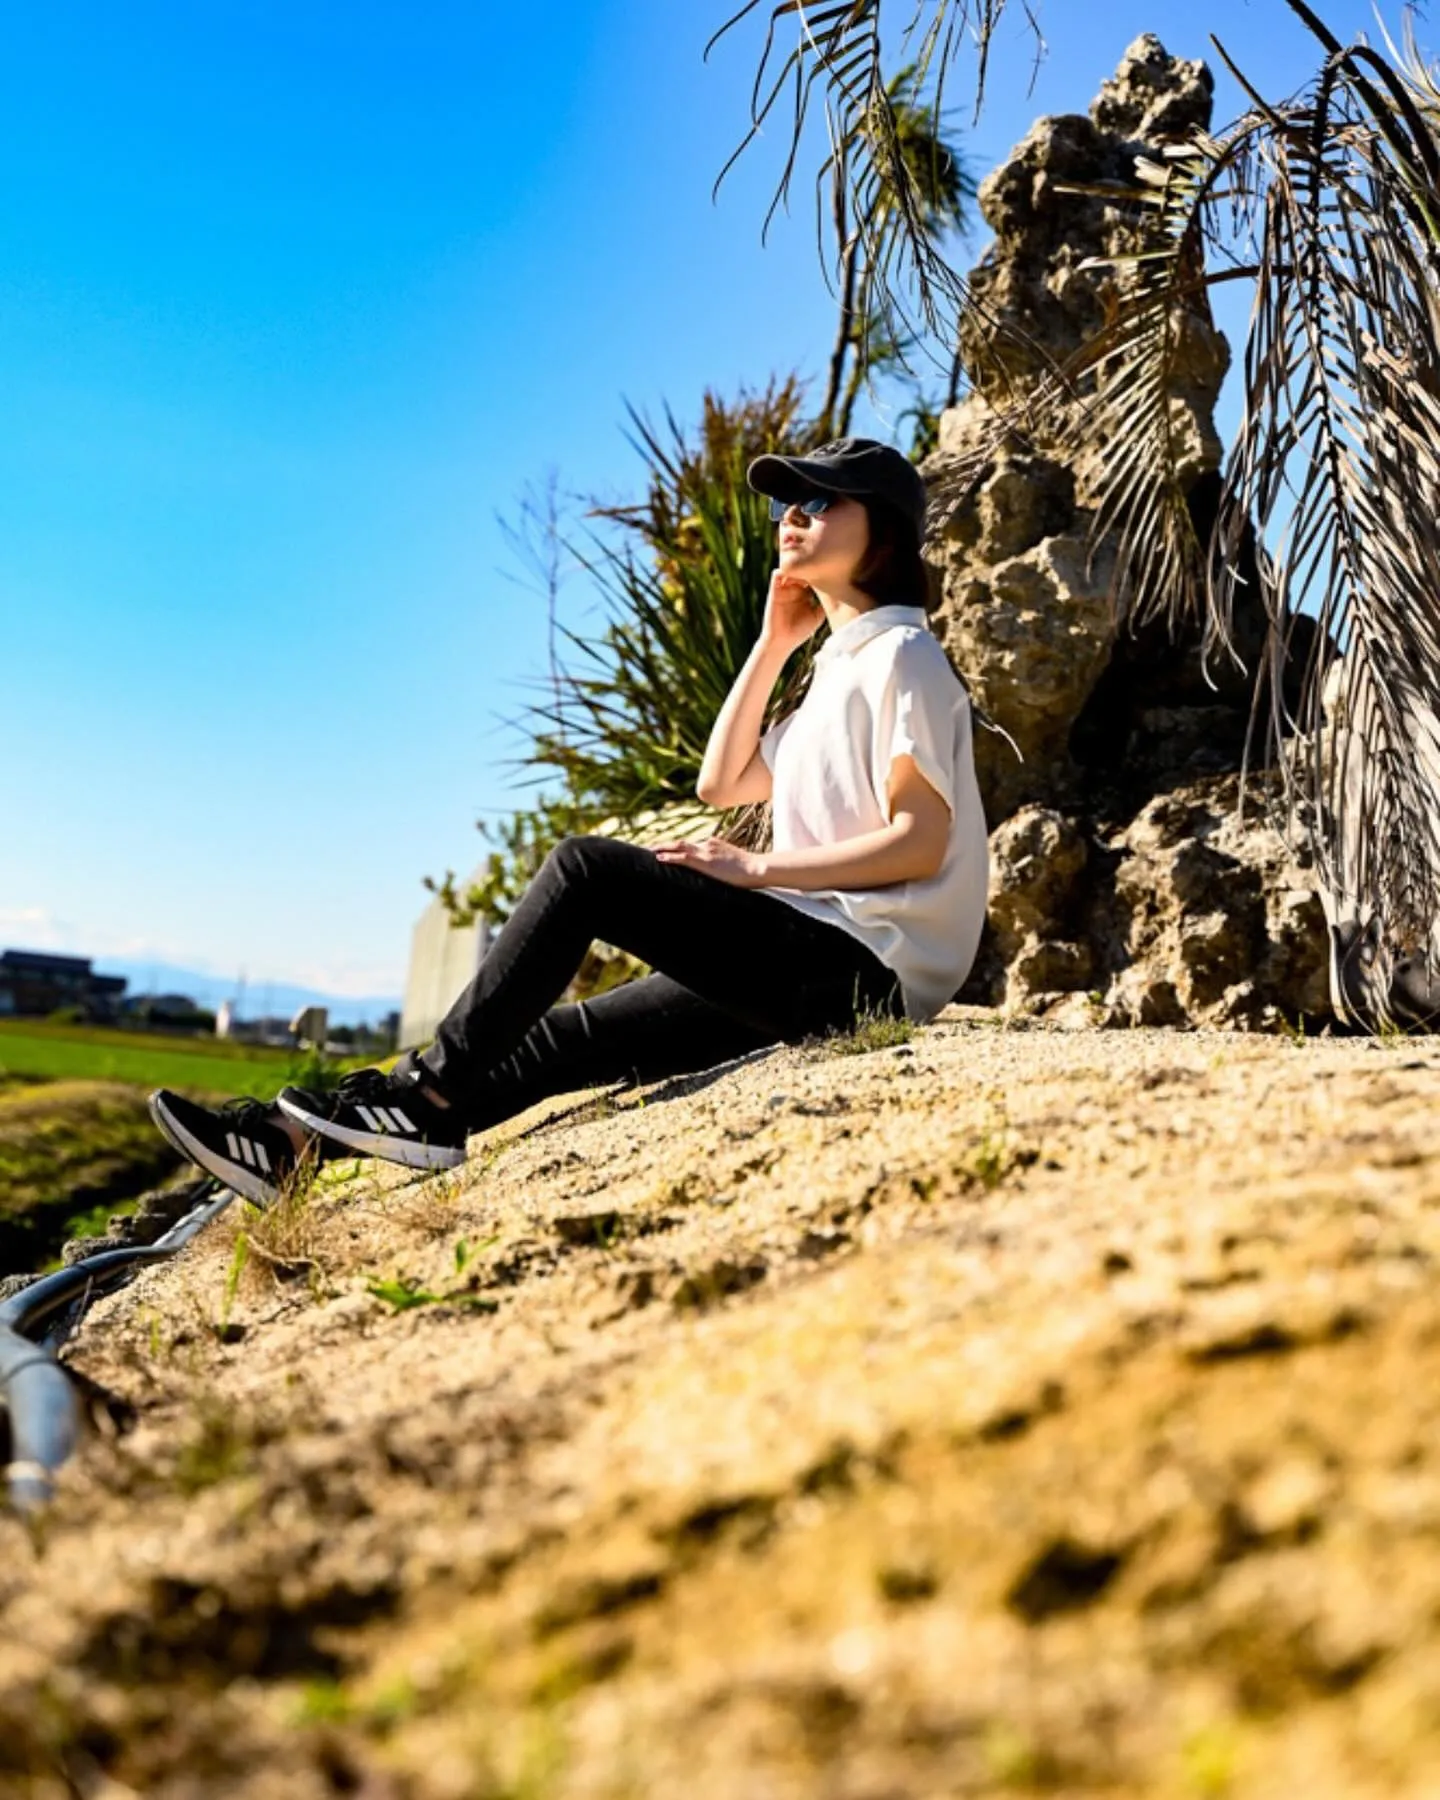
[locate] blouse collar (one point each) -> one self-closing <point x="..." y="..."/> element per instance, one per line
<point x="851" y="636"/>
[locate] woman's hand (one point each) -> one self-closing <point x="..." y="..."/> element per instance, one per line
<point x="726" y="862"/>
<point x="792" y="613"/>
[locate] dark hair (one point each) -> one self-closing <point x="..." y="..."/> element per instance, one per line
<point x="892" y="571"/>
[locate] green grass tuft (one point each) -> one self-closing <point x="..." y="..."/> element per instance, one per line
<point x="872" y="1031"/>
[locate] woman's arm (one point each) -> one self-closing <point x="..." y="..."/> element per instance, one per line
<point x="733" y="772"/>
<point x="910" y="848"/>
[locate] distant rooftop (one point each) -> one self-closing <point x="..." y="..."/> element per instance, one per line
<point x="42" y="962"/>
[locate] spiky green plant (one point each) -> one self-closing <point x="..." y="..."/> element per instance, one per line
<point x="684" y="590"/>
<point x="619" y="730"/>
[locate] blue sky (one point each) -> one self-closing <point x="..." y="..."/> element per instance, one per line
<point x="294" y="299"/>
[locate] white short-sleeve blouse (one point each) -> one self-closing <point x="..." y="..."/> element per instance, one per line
<point x="881" y="689"/>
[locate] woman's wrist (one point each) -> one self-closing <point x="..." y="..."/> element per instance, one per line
<point x="773" y="649"/>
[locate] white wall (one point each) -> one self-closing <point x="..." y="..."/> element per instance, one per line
<point x="442" y="963"/>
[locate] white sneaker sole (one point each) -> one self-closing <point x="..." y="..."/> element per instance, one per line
<point x="235" y="1176"/>
<point x="389" y="1148"/>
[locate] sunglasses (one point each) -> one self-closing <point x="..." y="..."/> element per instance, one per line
<point x="812" y="508"/>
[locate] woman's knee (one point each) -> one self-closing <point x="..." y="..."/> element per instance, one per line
<point x="582" y="858"/>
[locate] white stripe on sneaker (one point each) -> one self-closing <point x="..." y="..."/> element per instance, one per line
<point x="418" y="1154"/>
<point x="369" y="1118"/>
<point x="264" y="1156"/>
<point x="205" y="1155"/>
<point x="404" y="1123"/>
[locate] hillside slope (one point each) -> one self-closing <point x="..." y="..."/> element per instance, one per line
<point x="1009" y="1411"/>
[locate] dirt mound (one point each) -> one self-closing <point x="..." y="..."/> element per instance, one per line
<point x="1011" y="1410"/>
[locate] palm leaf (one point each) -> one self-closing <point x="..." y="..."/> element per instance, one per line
<point x="833" y="65"/>
<point x="1336" y="467"/>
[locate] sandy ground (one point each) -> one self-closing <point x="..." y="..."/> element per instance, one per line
<point x="1009" y="1411"/>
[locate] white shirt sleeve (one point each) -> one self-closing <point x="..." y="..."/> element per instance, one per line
<point x="770" y="742"/>
<point x="922" y="723"/>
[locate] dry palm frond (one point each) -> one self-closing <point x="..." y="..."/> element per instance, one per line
<point x="870" y="333"/>
<point x="1124" y="382"/>
<point x="1334" y="478"/>
<point x="834" y="62"/>
<point x="1336" y="468"/>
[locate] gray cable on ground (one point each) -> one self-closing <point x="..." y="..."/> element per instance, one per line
<point x="34" y="1389"/>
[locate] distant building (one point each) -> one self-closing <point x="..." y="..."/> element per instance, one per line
<point x="34" y="983"/>
<point x="443" y="961"/>
<point x="276" y="1032"/>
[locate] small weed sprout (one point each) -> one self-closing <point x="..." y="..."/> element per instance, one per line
<point x="285" y="1236"/>
<point x="1014" y="1760"/>
<point x="323" y="1702"/>
<point x="997" y="1154"/>
<point x="403" y="1293"/>
<point x="233" y="1276"/>
<point x="1292" y="1030"/>
<point x="1209" y="1758"/>
<point x="991" y="1159"/>
<point x="466" y="1252"/>
<point x="221" y="1447"/>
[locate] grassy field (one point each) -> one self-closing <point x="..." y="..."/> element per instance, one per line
<point x="66" y="1149"/>
<point x="31" y="1048"/>
<point x="75" y="1136"/>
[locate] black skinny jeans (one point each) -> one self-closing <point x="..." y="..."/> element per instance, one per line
<point x="736" y="969"/>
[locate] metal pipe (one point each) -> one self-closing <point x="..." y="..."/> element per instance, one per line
<point x="44" y="1424"/>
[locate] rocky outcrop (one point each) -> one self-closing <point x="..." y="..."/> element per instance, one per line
<point x="1120" y="877"/>
<point x="1028" y="611"/>
<point x="1191" y="912"/>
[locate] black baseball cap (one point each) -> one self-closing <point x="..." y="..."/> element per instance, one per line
<point x="852" y="466"/>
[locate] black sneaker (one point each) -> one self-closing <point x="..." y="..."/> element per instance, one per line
<point x="236" y="1143"/>
<point x="382" y="1115"/>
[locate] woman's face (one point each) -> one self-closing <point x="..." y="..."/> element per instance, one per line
<point x="824" y="551"/>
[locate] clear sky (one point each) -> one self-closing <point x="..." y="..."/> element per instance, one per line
<point x="294" y="299"/>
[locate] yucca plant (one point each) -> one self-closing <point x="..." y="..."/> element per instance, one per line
<point x="618" y="734"/>
<point x="1329" y="207"/>
<point x="684" y="590"/>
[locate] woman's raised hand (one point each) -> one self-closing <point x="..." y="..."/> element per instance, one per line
<point x="792" y="613"/>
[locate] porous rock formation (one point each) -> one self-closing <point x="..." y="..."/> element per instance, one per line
<point x="1190" y="911"/>
<point x="1123" y="875"/>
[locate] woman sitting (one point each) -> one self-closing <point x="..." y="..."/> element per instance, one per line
<point x="870" y="901"/>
